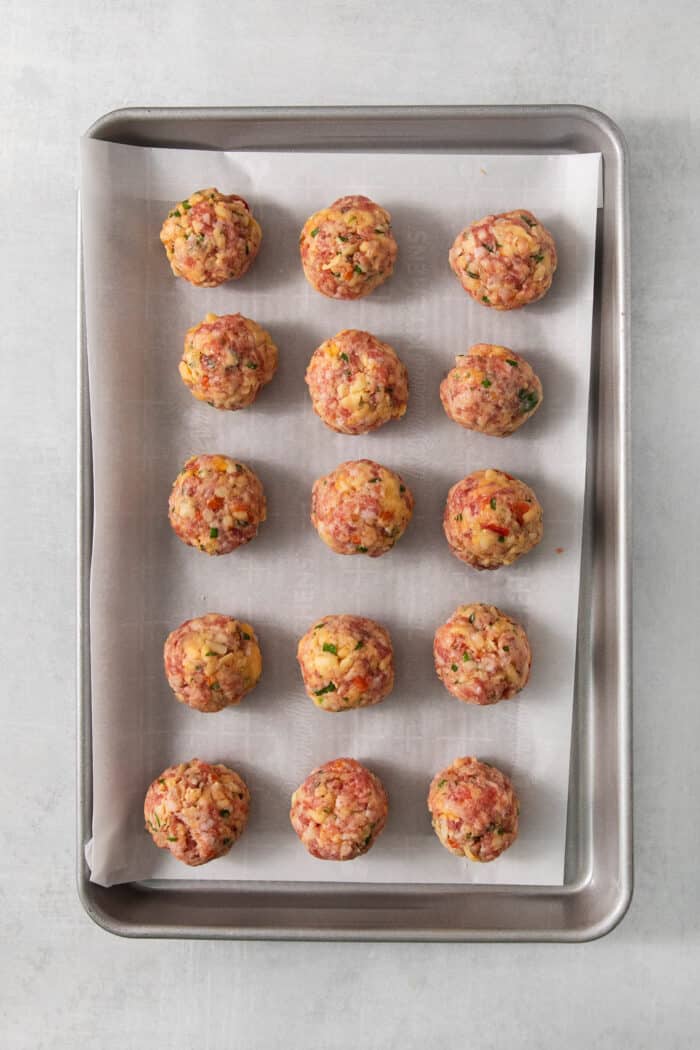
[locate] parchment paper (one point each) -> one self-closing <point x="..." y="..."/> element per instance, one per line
<point x="145" y="581"/>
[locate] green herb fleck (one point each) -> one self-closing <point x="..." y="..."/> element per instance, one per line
<point x="361" y="550"/>
<point x="528" y="221"/>
<point x="506" y="648"/>
<point x="172" y="838"/>
<point x="213" y="533"/>
<point x="470" y="273"/>
<point x="250" y="364"/>
<point x="210" y="653"/>
<point x="489" y="248"/>
<point x="453" y="667"/>
<point x="328" y="647"/>
<point x="344" y="357"/>
<point x="314" y="231"/>
<point x="215" y="687"/>
<point x="528" y="399"/>
<point x="492" y="503"/>
<point x="185" y="205"/>
<point x="174" y="214"/>
<point x="501" y="539"/>
<point x="246" y="636"/>
<point x="485" y="299"/>
<point x="341" y="238"/>
<point x="162" y="783"/>
<point x="359" y="645"/>
<point x="319" y="626"/>
<point x="538" y="257"/>
<point x="358" y="269"/>
<point x="466" y="657"/>
<point x="441" y="783"/>
<point x="486" y="383"/>
<point x="330" y="688"/>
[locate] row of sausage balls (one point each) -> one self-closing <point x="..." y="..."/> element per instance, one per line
<point x="357" y="383"/>
<point x="503" y="261"/>
<point x="481" y="655"/>
<point x="490" y="519"/>
<point x="198" y="810"/>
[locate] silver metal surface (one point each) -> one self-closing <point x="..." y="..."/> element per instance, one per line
<point x="598" y="880"/>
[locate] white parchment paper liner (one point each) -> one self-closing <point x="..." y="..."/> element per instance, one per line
<point x="145" y="582"/>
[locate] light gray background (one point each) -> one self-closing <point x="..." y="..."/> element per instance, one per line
<point x="64" y="983"/>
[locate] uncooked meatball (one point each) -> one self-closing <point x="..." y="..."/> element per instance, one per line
<point x="474" y="809"/>
<point x="216" y="504"/>
<point x="491" y="389"/>
<point x="210" y="238"/>
<point x="481" y="655"/>
<point x="357" y="383"/>
<point x="505" y="261"/>
<point x="227" y="361"/>
<point x="197" y="810"/>
<point x="339" y="810"/>
<point x="361" y="508"/>
<point x="348" y="250"/>
<point x="491" y="519"/>
<point x="211" y="662"/>
<point x="346" y="662"/>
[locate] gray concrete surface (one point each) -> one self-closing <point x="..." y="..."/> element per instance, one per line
<point x="66" y="984"/>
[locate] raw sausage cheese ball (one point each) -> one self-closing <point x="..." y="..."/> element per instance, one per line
<point x="491" y="389"/>
<point x="505" y="261"/>
<point x="361" y="508"/>
<point x="348" y="250"/>
<point x="227" y="361"/>
<point x="339" y="810"/>
<point x="481" y="655"/>
<point x="357" y="383"/>
<point x="491" y="519"/>
<point x="197" y="810"/>
<point x="474" y="809"/>
<point x="211" y="662"/>
<point x="216" y="504"/>
<point x="346" y="661"/>
<point x="210" y="238"/>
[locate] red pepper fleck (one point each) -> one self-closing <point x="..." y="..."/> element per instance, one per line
<point x="520" y="510"/>
<point x="215" y="503"/>
<point x="500" y="529"/>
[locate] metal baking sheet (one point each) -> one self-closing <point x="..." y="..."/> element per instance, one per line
<point x="598" y="877"/>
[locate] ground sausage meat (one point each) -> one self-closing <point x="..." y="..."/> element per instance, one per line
<point x="361" y="508"/>
<point x="227" y="361"/>
<point x="211" y="662"/>
<point x="357" y="383"/>
<point x="474" y="809"/>
<point x="210" y="238"/>
<point x="216" y="504"/>
<point x="197" y="810"/>
<point x="346" y="662"/>
<point x="481" y="655"/>
<point x="491" y="519"/>
<point x="505" y="261"/>
<point x="491" y="389"/>
<point x="348" y="250"/>
<point x="339" y="810"/>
